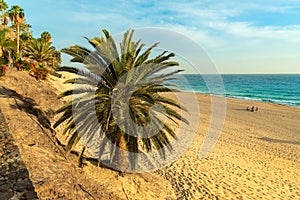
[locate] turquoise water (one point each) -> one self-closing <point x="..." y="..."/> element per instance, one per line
<point x="279" y="89"/>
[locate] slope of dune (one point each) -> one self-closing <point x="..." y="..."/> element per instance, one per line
<point x="28" y="106"/>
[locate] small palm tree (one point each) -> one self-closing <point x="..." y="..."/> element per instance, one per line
<point x="17" y="16"/>
<point x="3" y="7"/>
<point x="118" y="98"/>
<point x="46" y="36"/>
<point x="41" y="51"/>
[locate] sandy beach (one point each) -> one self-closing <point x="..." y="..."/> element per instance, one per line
<point x="256" y="157"/>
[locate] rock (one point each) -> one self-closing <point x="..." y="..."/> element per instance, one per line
<point x="23" y="186"/>
<point x="29" y="195"/>
<point x="7" y="195"/>
<point x="4" y="187"/>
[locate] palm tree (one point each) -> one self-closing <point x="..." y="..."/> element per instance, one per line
<point x="46" y="36"/>
<point x="5" y="20"/>
<point x="3" y="7"/>
<point x="17" y="16"/>
<point x="118" y="99"/>
<point x="41" y="51"/>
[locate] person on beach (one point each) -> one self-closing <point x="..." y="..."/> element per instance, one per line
<point x="252" y="109"/>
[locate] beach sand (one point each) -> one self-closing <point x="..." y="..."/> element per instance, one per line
<point x="257" y="155"/>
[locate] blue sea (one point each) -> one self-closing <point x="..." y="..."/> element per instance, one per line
<point x="279" y="89"/>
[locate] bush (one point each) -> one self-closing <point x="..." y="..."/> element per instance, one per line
<point x="35" y="69"/>
<point x="23" y="64"/>
<point x="3" y="69"/>
<point x="39" y="71"/>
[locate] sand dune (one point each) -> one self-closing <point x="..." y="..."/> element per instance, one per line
<point x="256" y="157"/>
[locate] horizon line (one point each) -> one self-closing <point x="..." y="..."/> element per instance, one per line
<point x="287" y="73"/>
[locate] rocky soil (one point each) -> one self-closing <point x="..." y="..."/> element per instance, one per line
<point x="14" y="178"/>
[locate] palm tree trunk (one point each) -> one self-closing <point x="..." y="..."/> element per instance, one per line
<point x="2" y="18"/>
<point x="9" y="59"/>
<point x="120" y="159"/>
<point x="18" y="38"/>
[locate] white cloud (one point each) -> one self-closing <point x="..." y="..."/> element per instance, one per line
<point x="243" y="29"/>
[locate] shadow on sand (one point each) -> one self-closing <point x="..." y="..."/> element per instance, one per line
<point x="279" y="141"/>
<point x="27" y="105"/>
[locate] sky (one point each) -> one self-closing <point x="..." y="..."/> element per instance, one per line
<point x="238" y="36"/>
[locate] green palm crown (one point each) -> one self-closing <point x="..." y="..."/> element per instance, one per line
<point x="117" y="100"/>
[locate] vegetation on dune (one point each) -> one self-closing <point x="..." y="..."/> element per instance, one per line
<point x="118" y="98"/>
<point x="7" y="46"/>
<point x="3" y="69"/>
<point x="42" y="51"/>
<point x="19" y="49"/>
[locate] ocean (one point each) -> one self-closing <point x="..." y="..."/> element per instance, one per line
<point x="279" y="89"/>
